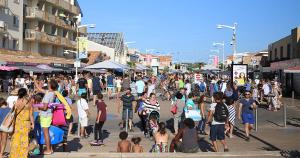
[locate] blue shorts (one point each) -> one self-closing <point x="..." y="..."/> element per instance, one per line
<point x="110" y="86"/>
<point x="80" y="91"/>
<point x="217" y="132"/>
<point x="248" y="118"/>
<point x="130" y="114"/>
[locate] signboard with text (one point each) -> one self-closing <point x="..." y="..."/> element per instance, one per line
<point x="82" y="46"/>
<point x="239" y="74"/>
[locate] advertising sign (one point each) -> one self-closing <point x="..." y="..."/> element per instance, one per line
<point x="239" y="74"/>
<point x="83" y="43"/>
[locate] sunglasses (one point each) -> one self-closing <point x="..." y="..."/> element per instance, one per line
<point x="247" y="94"/>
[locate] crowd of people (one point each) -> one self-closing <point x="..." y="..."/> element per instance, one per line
<point x="38" y="104"/>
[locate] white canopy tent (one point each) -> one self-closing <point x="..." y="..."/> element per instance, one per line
<point x="210" y="67"/>
<point x="108" y="64"/>
<point x="141" y="67"/>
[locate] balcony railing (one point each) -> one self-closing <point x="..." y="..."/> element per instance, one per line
<point x="64" y="5"/>
<point x="3" y="3"/>
<point x="31" y="12"/>
<point x="43" y="37"/>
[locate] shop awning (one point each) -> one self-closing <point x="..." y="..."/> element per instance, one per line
<point x="8" y="68"/>
<point x="33" y="69"/>
<point x="292" y="70"/>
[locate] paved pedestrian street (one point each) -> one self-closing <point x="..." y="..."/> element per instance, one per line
<point x="269" y="141"/>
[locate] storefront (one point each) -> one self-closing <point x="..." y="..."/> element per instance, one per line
<point x="285" y="73"/>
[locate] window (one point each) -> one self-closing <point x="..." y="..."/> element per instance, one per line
<point x="281" y="52"/>
<point x="270" y="55"/>
<point x="288" y="51"/>
<point x="275" y="53"/>
<point x="15" y="44"/>
<point x="16" y="21"/>
<point x="17" y="1"/>
<point x="4" y="42"/>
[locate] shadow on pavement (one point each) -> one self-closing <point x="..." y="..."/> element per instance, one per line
<point x="290" y="154"/>
<point x="269" y="147"/>
<point x="294" y="122"/>
<point x="204" y="145"/>
<point x="74" y="145"/>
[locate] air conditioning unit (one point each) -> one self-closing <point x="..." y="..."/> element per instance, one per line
<point x="2" y="24"/>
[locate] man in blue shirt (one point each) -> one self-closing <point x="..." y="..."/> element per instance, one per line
<point x="246" y="108"/>
<point x="110" y="85"/>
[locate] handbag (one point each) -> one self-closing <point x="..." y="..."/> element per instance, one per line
<point x="8" y="123"/>
<point x="58" y="118"/>
<point x="174" y="109"/>
<point x="193" y="114"/>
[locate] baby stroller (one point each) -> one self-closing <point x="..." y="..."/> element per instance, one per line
<point x="152" y="123"/>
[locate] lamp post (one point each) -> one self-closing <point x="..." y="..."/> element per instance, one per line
<point x="223" y="45"/>
<point x="233" y="37"/>
<point x="77" y="53"/>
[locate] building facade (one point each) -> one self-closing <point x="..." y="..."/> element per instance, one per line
<point x="112" y="40"/>
<point x="285" y="54"/>
<point x="50" y="26"/>
<point x="11" y="24"/>
<point x="165" y="61"/>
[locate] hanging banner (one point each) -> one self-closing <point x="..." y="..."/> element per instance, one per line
<point x="83" y="42"/>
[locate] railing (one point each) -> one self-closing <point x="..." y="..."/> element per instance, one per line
<point x="31" y="12"/>
<point x="43" y="37"/>
<point x="65" y="5"/>
<point x="3" y="3"/>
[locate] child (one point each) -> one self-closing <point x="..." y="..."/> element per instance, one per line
<point x="4" y="110"/>
<point x="231" y="109"/>
<point x="153" y="125"/>
<point x="70" y="102"/>
<point x="83" y="112"/>
<point x="100" y="119"/>
<point x="124" y="146"/>
<point x="136" y="148"/>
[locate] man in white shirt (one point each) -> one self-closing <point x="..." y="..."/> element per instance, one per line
<point x="217" y="128"/>
<point x="140" y="86"/>
<point x="266" y="88"/>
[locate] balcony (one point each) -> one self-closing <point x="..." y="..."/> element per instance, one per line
<point x="3" y="3"/>
<point x="65" y="5"/>
<point x="35" y="13"/>
<point x="32" y="35"/>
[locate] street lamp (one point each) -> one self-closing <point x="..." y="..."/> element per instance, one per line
<point x="223" y="45"/>
<point x="233" y="36"/>
<point x="77" y="53"/>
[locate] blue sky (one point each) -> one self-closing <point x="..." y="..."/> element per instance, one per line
<point x="187" y="28"/>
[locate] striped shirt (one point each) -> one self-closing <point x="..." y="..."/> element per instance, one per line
<point x="231" y="111"/>
<point x="150" y="107"/>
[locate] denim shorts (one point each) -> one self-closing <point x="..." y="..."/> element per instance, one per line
<point x="130" y="114"/>
<point x="217" y="132"/>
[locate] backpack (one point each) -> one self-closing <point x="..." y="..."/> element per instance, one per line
<point x="221" y="113"/>
<point x="202" y="87"/>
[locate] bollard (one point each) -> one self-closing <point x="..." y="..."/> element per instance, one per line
<point x="126" y="124"/>
<point x="284" y="115"/>
<point x="293" y="95"/>
<point x="78" y="127"/>
<point x="256" y="119"/>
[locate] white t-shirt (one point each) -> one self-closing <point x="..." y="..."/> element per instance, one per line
<point x="212" y="109"/>
<point x="82" y="105"/>
<point x="140" y="86"/>
<point x="266" y="89"/>
<point x="11" y="101"/>
<point x="151" y="89"/>
<point x="188" y="87"/>
<point x="118" y="83"/>
<point x="223" y="88"/>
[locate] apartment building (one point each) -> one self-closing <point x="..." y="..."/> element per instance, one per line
<point x="284" y="55"/>
<point x="11" y="24"/>
<point x="50" y="26"/>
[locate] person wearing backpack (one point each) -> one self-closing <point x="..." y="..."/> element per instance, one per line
<point x="202" y="87"/>
<point x="218" y="117"/>
<point x="246" y="109"/>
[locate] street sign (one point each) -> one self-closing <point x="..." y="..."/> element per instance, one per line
<point x="77" y="63"/>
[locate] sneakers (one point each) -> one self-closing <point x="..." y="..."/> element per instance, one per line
<point x="247" y="139"/>
<point x="96" y="143"/>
